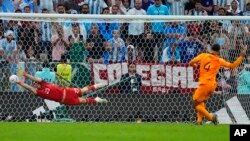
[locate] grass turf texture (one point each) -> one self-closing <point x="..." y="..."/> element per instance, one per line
<point x="112" y="132"/>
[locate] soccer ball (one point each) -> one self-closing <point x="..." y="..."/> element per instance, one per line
<point x="13" y="79"/>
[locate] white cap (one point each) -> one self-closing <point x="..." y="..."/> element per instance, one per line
<point x="9" y="32"/>
<point x="131" y="46"/>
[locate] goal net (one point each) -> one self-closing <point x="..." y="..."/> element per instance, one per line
<point x="143" y="60"/>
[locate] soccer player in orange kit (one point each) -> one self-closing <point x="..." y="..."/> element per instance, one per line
<point x="210" y="64"/>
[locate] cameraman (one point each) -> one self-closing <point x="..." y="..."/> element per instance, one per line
<point x="131" y="81"/>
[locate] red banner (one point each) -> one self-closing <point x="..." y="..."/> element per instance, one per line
<point x="156" y="78"/>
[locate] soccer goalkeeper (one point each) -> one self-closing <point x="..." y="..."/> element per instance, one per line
<point x="67" y="96"/>
<point x="210" y="64"/>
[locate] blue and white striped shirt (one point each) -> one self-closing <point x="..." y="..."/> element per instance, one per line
<point x="95" y="6"/>
<point x="8" y="47"/>
<point x="46" y="31"/>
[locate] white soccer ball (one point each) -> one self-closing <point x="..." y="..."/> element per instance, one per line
<point x="13" y="79"/>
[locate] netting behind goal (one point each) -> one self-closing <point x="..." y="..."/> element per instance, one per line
<point x="144" y="63"/>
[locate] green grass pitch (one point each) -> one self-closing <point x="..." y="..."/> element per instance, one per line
<point x="22" y="131"/>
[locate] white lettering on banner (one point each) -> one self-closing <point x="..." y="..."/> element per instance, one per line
<point x="152" y="75"/>
<point x="190" y="78"/>
<point x="169" y="77"/>
<point x="144" y="71"/>
<point x="97" y="68"/>
<point x="179" y="75"/>
<point x="124" y="68"/>
<point x="158" y="75"/>
<point x="114" y="72"/>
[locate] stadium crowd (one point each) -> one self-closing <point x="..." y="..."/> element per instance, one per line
<point x="109" y="41"/>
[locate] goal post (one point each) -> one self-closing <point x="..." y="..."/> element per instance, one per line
<point x="142" y="59"/>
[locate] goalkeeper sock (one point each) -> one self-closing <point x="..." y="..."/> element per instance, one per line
<point x="96" y="86"/>
<point x="90" y="101"/>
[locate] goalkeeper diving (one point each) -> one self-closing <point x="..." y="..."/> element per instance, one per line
<point x="67" y="96"/>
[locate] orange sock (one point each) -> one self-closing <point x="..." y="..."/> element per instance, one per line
<point x="201" y="109"/>
<point x="199" y="117"/>
<point x="199" y="114"/>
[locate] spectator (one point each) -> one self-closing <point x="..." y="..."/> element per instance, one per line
<point x="148" y="45"/>
<point x="221" y="4"/>
<point x="158" y="27"/>
<point x="28" y="31"/>
<point x="244" y="81"/>
<point x="208" y="29"/>
<point x="96" y="6"/>
<point x="171" y="54"/>
<point x="189" y="6"/>
<point x="87" y="24"/>
<point x="173" y="32"/>
<point x="207" y="5"/>
<point x="8" y="51"/>
<point x="177" y="7"/>
<point x="109" y="3"/>
<point x="31" y="54"/>
<point x="116" y="49"/>
<point x="84" y="9"/>
<point x="242" y="4"/>
<point x="190" y="47"/>
<point x="198" y="10"/>
<point x="121" y="9"/>
<point x="131" y="54"/>
<point x="95" y="45"/>
<point x="136" y="29"/>
<point x="235" y="9"/>
<point x="107" y="26"/>
<point x="236" y="32"/>
<point x="46" y="34"/>
<point x="235" y="47"/>
<point x="131" y="81"/>
<point x="28" y="6"/>
<point x="76" y="45"/>
<point x="3" y="8"/>
<point x="59" y="44"/>
<point x="226" y="23"/>
<point x="21" y="56"/>
<point x="247" y="13"/>
<point x="60" y="9"/>
<point x="221" y="39"/>
<point x="115" y="10"/>
<point x="126" y="4"/>
<point x="73" y="5"/>
<point x="146" y="4"/>
<point x="48" y="4"/>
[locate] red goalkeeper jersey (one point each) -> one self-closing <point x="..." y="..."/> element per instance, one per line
<point x="50" y="91"/>
<point x="55" y="93"/>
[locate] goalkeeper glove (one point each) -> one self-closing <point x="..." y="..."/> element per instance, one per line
<point x="21" y="72"/>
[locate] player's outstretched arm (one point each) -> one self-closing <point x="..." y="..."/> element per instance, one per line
<point x="237" y="61"/>
<point x="26" y="86"/>
<point x="92" y="88"/>
<point x="21" y="72"/>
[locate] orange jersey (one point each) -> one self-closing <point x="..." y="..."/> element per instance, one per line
<point x="210" y="65"/>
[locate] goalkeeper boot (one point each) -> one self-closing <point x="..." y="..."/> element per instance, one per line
<point x="101" y="100"/>
<point x="215" y="119"/>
